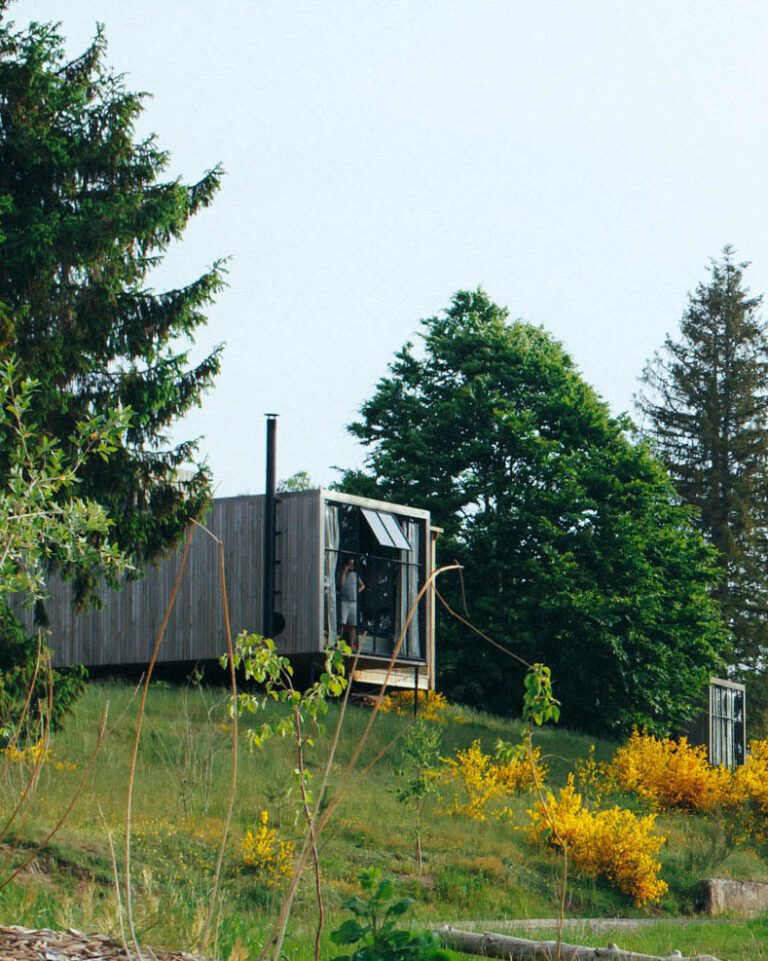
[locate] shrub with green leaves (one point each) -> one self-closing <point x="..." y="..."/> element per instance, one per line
<point x="373" y="928"/>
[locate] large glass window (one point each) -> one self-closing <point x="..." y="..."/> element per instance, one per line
<point x="374" y="568"/>
<point x="727" y="724"/>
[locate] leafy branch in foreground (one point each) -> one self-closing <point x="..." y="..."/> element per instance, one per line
<point x="374" y="930"/>
<point x="44" y="522"/>
<point x="42" y="518"/>
<point x="258" y="658"/>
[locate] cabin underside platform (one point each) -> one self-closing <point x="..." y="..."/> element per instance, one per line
<point x="370" y="671"/>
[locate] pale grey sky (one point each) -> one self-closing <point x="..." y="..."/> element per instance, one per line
<point x="581" y="161"/>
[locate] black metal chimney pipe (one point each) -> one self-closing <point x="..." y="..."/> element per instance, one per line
<point x="268" y="616"/>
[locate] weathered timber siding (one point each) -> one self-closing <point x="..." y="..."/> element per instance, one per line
<point x="123" y="631"/>
<point x="299" y="555"/>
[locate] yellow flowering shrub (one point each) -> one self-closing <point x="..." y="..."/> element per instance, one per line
<point x="751" y="778"/>
<point x="33" y="756"/>
<point x="676" y="774"/>
<point x="477" y="783"/>
<point x="269" y="856"/>
<point x="671" y="774"/>
<point x="35" y="753"/>
<point x="593" y="779"/>
<point x="514" y="771"/>
<point x="615" y="843"/>
<point x="433" y="706"/>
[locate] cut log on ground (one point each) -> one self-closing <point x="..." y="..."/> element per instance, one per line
<point x="520" y="949"/>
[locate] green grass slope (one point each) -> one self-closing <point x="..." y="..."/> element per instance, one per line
<point x="473" y="871"/>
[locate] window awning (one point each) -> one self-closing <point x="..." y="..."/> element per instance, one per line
<point x="385" y="529"/>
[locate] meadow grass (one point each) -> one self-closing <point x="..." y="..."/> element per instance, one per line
<point x="489" y="871"/>
<point x="725" y="939"/>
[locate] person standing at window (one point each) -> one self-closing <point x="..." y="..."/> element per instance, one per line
<point x="351" y="586"/>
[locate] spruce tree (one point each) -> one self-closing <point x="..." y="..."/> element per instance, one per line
<point x="85" y="216"/>
<point x="705" y="407"/>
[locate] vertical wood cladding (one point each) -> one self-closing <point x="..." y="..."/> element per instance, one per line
<point x="123" y="630"/>
<point x="298" y="578"/>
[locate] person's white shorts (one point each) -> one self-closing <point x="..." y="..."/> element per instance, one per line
<point x="349" y="613"/>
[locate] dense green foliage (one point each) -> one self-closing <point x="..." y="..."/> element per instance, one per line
<point x="84" y="218"/>
<point x="705" y="404"/>
<point x="43" y="513"/>
<point x="576" y="553"/>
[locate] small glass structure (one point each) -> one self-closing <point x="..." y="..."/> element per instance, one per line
<point x="722" y="726"/>
<point x="726" y="723"/>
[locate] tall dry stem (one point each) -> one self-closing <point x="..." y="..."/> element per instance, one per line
<point x="209" y="922"/>
<point x="116" y="881"/>
<point x="274" y="945"/>
<point x="137" y="738"/>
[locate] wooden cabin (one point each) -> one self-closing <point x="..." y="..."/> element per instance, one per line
<point x="317" y="533"/>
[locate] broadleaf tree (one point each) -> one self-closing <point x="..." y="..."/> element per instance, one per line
<point x="704" y="406"/>
<point x="576" y="551"/>
<point x="42" y="513"/>
<point x="85" y="217"/>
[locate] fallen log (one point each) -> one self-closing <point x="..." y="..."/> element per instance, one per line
<point x="520" y="949"/>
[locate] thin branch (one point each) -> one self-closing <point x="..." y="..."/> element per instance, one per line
<point x="234" y="730"/>
<point x="480" y="633"/>
<point x="137" y="738"/>
<point x="275" y="942"/>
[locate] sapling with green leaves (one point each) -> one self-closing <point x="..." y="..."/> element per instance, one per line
<point x="418" y="774"/>
<point x="374" y="927"/>
<point x="540" y="706"/>
<point x="259" y="659"/>
<point x="42" y="517"/>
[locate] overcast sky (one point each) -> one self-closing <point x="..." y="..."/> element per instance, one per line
<point x="581" y="161"/>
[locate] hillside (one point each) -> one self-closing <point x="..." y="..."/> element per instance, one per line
<point x="473" y="870"/>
